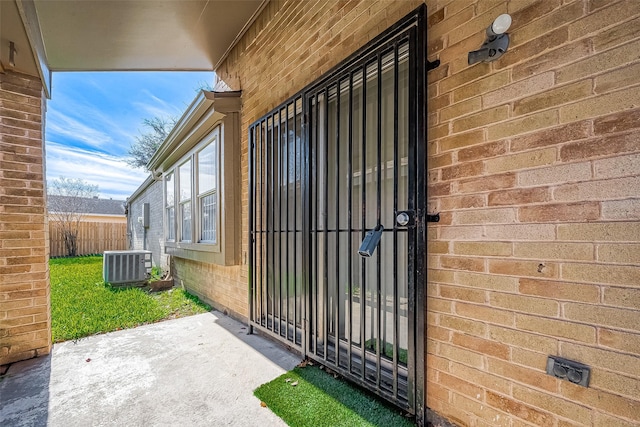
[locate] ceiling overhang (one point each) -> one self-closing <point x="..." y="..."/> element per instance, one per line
<point x="28" y="54"/>
<point x="130" y="35"/>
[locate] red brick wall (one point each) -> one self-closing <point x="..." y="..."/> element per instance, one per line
<point x="25" y="320"/>
<point x="535" y="167"/>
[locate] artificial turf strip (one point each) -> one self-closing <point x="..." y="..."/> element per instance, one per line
<point x="319" y="400"/>
<point x="82" y="304"/>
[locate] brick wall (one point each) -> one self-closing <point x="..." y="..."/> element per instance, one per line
<point x="25" y="320"/>
<point x="151" y="194"/>
<point x="535" y="168"/>
<point x="222" y="287"/>
<point x="291" y="44"/>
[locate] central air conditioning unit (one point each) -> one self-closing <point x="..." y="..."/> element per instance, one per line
<point x="131" y="267"/>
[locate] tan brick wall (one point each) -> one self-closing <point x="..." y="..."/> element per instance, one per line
<point x="25" y="318"/>
<point x="291" y="44"/>
<point x="224" y="288"/>
<point x="535" y="168"/>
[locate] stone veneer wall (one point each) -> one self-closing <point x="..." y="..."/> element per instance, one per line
<point x="25" y="317"/>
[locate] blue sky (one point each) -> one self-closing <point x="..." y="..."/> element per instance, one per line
<point x="93" y="118"/>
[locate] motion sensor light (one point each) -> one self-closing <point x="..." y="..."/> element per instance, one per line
<point x="496" y="43"/>
<point x="500" y="25"/>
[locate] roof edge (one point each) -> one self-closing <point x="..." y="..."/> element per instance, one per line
<point x="31" y="23"/>
<point x="207" y="105"/>
<point x="145" y="184"/>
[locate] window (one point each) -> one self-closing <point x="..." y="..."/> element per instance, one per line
<point x="208" y="190"/>
<point x="200" y="163"/>
<point x="197" y="216"/>
<point x="202" y="181"/>
<point x="169" y="207"/>
<point x="184" y="184"/>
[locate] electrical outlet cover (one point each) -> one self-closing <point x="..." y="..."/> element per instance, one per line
<point x="569" y="370"/>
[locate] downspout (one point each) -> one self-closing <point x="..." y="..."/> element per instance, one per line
<point x="127" y="212"/>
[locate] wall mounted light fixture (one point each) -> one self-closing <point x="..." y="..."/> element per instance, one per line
<point x="496" y="43"/>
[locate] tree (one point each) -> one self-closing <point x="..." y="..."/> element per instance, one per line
<point x="70" y="201"/>
<point x="147" y="143"/>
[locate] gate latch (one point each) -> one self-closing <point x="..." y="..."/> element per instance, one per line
<point x="370" y="242"/>
<point x="433" y="218"/>
<point x="406" y="218"/>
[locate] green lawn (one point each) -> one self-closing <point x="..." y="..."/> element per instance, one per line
<point x="82" y="304"/>
<point x="310" y="397"/>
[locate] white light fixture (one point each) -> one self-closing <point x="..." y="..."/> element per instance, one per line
<point x="496" y="43"/>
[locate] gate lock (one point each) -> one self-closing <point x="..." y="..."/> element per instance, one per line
<point x="370" y="242"/>
<point x="405" y="218"/>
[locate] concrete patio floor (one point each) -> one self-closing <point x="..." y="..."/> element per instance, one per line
<point x="193" y="371"/>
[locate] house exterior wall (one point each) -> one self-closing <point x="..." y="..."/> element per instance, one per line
<point x="25" y="316"/>
<point x="535" y="167"/>
<point x="291" y="44"/>
<point x="151" y="194"/>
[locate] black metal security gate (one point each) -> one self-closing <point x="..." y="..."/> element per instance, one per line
<point x="277" y="296"/>
<point x="343" y="158"/>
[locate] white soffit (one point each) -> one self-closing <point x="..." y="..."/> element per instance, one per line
<point x="128" y="35"/>
<point x="12" y="30"/>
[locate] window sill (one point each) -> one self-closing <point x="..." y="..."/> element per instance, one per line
<point x="199" y="252"/>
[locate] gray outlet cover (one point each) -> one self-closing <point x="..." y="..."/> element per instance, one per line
<point x="569" y="370"/>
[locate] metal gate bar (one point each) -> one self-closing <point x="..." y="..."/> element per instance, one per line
<point x="336" y="85"/>
<point x="396" y="177"/>
<point x="276" y="294"/>
<point x="301" y="208"/>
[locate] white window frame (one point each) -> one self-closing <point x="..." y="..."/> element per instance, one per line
<point x="170" y="221"/>
<point x="211" y="140"/>
<point x="185" y="236"/>
<point x="211" y="115"/>
<point x="194" y="235"/>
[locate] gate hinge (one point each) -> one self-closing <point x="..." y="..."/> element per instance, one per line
<point x="433" y="218"/>
<point x="432" y="65"/>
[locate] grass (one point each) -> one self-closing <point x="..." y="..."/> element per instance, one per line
<point x="82" y="304"/>
<point x="319" y="400"/>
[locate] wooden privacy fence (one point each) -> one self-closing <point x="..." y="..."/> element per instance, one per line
<point x="93" y="238"/>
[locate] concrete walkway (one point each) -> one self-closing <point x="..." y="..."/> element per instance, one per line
<point x="194" y="371"/>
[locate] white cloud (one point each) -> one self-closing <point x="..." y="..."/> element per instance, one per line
<point x="68" y="127"/>
<point x="156" y="107"/>
<point x="88" y="125"/>
<point x="93" y="118"/>
<point x="114" y="177"/>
